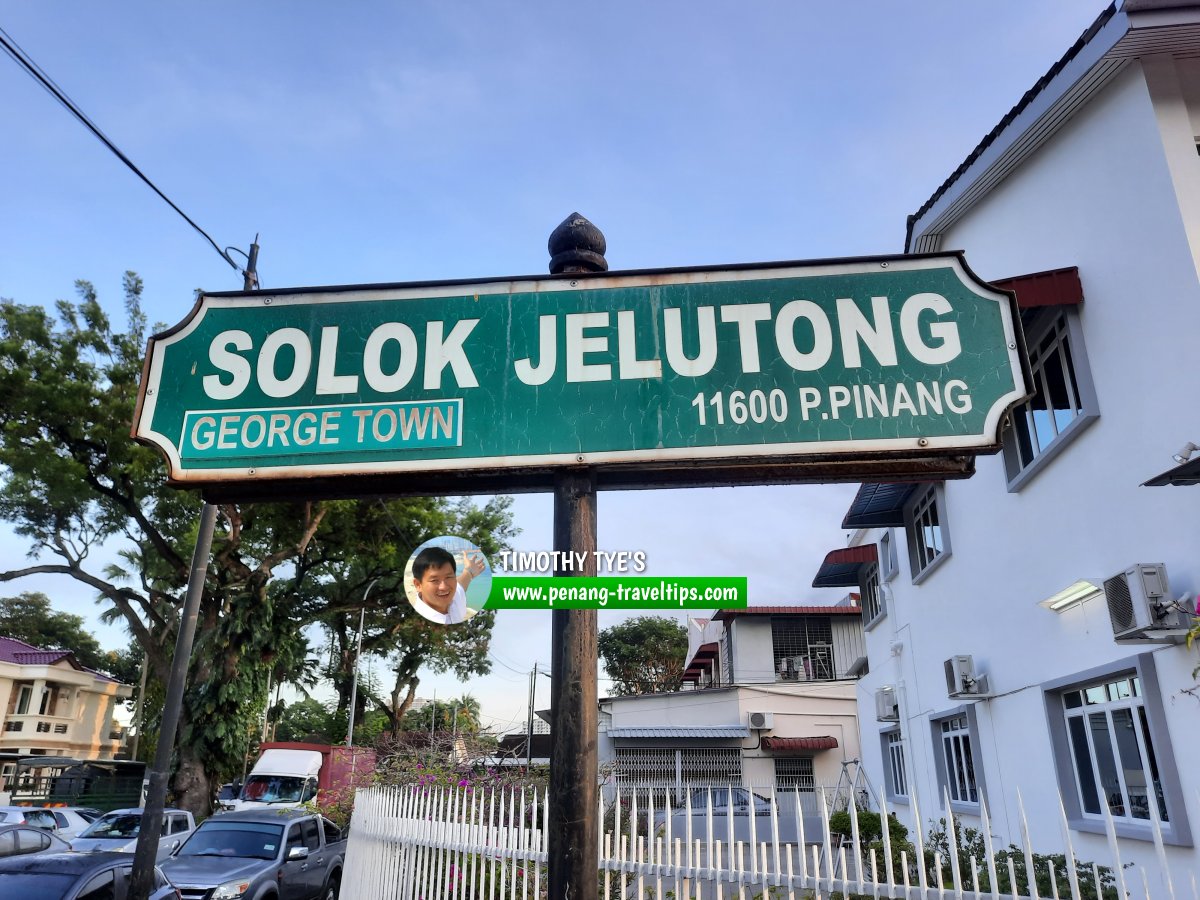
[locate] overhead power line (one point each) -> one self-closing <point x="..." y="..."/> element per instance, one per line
<point x="31" y="68"/>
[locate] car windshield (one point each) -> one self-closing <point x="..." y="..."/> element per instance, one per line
<point x="248" y="840"/>
<point x="114" y="825"/>
<point x="273" y="788"/>
<point x="35" y="885"/>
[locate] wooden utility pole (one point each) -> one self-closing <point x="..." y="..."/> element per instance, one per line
<point x="529" y="723"/>
<point x="576" y="247"/>
<point x="141" y="884"/>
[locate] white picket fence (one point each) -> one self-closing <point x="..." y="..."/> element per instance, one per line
<point x="426" y="843"/>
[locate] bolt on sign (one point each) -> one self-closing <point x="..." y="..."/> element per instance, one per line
<point x="699" y="369"/>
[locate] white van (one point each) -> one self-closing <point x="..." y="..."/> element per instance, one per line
<point x="280" y="778"/>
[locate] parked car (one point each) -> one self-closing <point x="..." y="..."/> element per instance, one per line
<point x="731" y="808"/>
<point x="257" y="853"/>
<point x="75" y="876"/>
<point x="72" y="820"/>
<point x="22" y="840"/>
<point x="119" y="830"/>
<point x="28" y="815"/>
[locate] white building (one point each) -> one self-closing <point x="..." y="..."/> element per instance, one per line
<point x="1091" y="187"/>
<point x="772" y="708"/>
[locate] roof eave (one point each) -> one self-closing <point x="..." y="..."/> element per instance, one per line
<point x="995" y="154"/>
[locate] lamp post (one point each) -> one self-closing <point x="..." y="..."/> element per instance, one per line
<point x="362" y="617"/>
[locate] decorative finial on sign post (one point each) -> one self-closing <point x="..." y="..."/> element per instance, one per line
<point x="576" y="245"/>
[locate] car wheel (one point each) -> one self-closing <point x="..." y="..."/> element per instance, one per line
<point x="331" y="889"/>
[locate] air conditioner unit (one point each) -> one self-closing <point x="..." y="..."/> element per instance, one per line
<point x="761" y="721"/>
<point x="962" y="680"/>
<point x="1140" y="608"/>
<point x="887" y="709"/>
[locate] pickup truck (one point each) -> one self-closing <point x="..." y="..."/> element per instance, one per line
<point x="280" y="854"/>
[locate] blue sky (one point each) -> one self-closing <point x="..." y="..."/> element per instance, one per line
<point x="378" y="142"/>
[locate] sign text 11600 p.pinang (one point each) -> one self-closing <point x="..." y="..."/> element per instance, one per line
<point x="692" y="367"/>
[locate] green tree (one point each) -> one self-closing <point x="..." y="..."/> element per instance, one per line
<point x="644" y="655"/>
<point x="461" y="715"/>
<point x="366" y="559"/>
<point x="308" y="720"/>
<point x="870" y="835"/>
<point x="71" y="479"/>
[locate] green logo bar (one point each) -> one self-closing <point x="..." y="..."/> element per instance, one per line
<point x="616" y="592"/>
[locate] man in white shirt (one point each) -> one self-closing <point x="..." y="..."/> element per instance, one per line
<point x="441" y="597"/>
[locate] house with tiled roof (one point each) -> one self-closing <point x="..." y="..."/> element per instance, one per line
<point x="50" y="705"/>
<point x="768" y="704"/>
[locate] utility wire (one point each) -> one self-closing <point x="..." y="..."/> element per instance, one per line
<point x="26" y="62"/>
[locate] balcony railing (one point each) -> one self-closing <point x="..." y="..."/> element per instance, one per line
<point x="54" y="726"/>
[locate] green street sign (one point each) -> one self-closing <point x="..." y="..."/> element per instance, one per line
<point x="702" y="368"/>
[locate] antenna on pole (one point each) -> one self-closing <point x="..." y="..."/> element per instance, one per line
<point x="250" y="274"/>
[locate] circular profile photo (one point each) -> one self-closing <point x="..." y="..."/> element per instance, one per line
<point x="447" y="579"/>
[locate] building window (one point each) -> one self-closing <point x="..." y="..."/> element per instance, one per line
<point x="802" y="648"/>
<point x="1062" y="401"/>
<point x="893" y="747"/>
<point x="24" y="696"/>
<point x="888" y="564"/>
<point x="1112" y="751"/>
<point x="928" y="539"/>
<point x="872" y="604"/>
<point x="666" y="771"/>
<point x="794" y="774"/>
<point x="953" y="737"/>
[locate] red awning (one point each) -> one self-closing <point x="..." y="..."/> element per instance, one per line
<point x="725" y="615"/>
<point x="840" y="568"/>
<point x="1058" y="287"/>
<point x="798" y="744"/>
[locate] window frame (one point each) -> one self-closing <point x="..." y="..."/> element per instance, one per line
<point x="893" y="745"/>
<point x="293" y="837"/>
<point x="913" y="509"/>
<point x="870" y="587"/>
<point x="1176" y="830"/>
<point x="310" y="833"/>
<point x="332" y="833"/>
<point x="803" y="781"/>
<point x="674" y="767"/>
<point x="803" y="637"/>
<point x="967" y="714"/>
<point x="889" y="561"/>
<point x="1039" y="325"/>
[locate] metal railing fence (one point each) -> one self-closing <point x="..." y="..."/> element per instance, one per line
<point x="432" y="843"/>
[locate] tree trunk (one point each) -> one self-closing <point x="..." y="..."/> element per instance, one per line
<point x="194" y="789"/>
